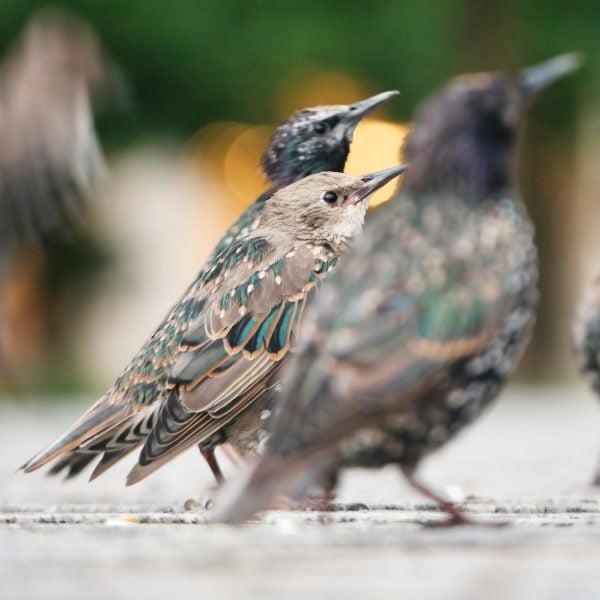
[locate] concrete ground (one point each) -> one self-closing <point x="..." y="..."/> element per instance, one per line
<point x="528" y="462"/>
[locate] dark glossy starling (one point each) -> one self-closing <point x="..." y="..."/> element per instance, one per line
<point x="204" y="376"/>
<point x="311" y="141"/>
<point x="426" y="315"/>
<point x="587" y="342"/>
<point x="50" y="159"/>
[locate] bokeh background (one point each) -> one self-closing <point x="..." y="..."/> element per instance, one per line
<point x="204" y="85"/>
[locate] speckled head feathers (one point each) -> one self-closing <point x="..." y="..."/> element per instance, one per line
<point x="316" y="139"/>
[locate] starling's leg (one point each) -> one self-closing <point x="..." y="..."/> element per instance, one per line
<point x="209" y="456"/>
<point x="232" y="454"/>
<point x="237" y="455"/>
<point x="455" y="516"/>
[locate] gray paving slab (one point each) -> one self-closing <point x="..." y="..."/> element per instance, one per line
<point x="527" y="462"/>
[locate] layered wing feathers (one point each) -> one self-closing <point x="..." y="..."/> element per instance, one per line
<point x="230" y="355"/>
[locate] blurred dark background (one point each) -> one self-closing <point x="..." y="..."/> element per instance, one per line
<point x="206" y="81"/>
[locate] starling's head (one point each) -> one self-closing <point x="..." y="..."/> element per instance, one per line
<point x="315" y="140"/>
<point x="57" y="44"/>
<point x="464" y="134"/>
<point x="326" y="207"/>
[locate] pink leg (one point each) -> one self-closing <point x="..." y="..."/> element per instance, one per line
<point x="232" y="454"/>
<point x="455" y="516"/>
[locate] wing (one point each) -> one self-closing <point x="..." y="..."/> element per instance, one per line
<point x="137" y="394"/>
<point x="139" y="391"/>
<point x="50" y="159"/>
<point x="230" y="355"/>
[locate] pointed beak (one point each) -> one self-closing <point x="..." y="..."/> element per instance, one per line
<point x="534" y="79"/>
<point x="372" y="182"/>
<point x="353" y="114"/>
<point x="359" y="110"/>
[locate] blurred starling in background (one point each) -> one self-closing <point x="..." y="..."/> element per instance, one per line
<point x="205" y="375"/>
<point x="50" y="159"/>
<point x="587" y="342"/>
<point x="426" y="315"/>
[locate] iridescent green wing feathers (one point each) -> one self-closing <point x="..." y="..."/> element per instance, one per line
<point x="142" y="386"/>
<point x="231" y="351"/>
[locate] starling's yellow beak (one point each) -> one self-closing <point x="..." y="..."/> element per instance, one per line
<point x="372" y="182"/>
<point x="536" y="78"/>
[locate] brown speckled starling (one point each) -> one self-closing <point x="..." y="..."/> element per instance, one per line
<point x="311" y="141"/>
<point x="204" y="376"/>
<point x="426" y="315"/>
<point x="49" y="155"/>
<point x="587" y="342"/>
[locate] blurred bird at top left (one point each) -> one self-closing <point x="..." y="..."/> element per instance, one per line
<point x="50" y="158"/>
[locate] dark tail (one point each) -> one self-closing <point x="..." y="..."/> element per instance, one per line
<point x="72" y="464"/>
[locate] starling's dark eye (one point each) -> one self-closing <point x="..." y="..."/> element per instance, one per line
<point x="329" y="197"/>
<point x="319" y="127"/>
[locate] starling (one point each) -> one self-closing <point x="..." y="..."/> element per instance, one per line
<point x="587" y="342"/>
<point x="50" y="159"/>
<point x="204" y="376"/>
<point x="427" y="314"/>
<point x="311" y="141"/>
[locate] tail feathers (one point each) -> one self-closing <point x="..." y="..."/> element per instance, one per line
<point x="75" y="462"/>
<point x="139" y="471"/>
<point x="246" y="495"/>
<point x="72" y="464"/>
<point x="109" y="459"/>
<point x="98" y="420"/>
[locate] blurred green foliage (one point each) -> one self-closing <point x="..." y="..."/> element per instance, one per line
<point x="190" y="62"/>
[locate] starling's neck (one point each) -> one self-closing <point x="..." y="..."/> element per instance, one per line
<point x="288" y="174"/>
<point x="466" y="167"/>
<point x="285" y="171"/>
